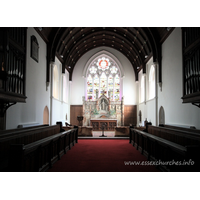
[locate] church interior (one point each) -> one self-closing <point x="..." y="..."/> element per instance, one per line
<point x="99" y="100"/>
<point x="136" y="83"/>
<point x="67" y="93"/>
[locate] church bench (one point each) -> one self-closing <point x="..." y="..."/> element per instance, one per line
<point x="176" y="135"/>
<point x="24" y="136"/>
<point x="191" y="130"/>
<point x="15" y="131"/>
<point x="164" y="152"/>
<point x="42" y="154"/>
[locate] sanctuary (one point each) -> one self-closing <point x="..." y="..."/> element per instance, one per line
<point x="103" y="111"/>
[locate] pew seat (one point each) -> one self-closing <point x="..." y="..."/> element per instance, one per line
<point x="179" y="136"/>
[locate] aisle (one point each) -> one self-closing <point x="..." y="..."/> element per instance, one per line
<point x="102" y="155"/>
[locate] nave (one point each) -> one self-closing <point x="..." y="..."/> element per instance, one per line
<point x="102" y="155"/>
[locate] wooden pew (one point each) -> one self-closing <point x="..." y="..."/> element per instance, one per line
<point x="42" y="154"/>
<point x="191" y="130"/>
<point x="8" y="132"/>
<point x="23" y="136"/>
<point x="170" y="156"/>
<point x="178" y="136"/>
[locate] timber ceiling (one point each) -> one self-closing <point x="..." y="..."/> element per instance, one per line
<point x="138" y="44"/>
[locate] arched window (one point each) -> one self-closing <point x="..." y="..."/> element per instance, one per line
<point x="103" y="77"/>
<point x="152" y="82"/>
<point x="142" y="89"/>
<point x="65" y="87"/>
<point x="55" y="82"/>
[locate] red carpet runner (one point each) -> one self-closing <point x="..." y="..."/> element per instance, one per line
<point x="102" y="155"/>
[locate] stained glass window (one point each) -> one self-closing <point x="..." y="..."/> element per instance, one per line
<point x="117" y="88"/>
<point x="110" y="87"/>
<point x="103" y="84"/>
<point x="113" y="70"/>
<point x="103" y="77"/>
<point x="89" y="87"/>
<point x="103" y="63"/>
<point x="96" y="87"/>
<point x="93" y="70"/>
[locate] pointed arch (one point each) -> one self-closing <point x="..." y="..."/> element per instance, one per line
<point x="161" y="116"/>
<point x="101" y="54"/>
<point x="103" y="73"/>
<point x="46" y="115"/>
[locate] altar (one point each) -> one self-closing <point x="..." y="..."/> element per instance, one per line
<point x="108" y="124"/>
<point x="103" y="111"/>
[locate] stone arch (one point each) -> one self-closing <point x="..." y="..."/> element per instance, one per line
<point x="161" y="116"/>
<point x="46" y="115"/>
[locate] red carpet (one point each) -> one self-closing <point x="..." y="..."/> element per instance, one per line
<point x="102" y="155"/>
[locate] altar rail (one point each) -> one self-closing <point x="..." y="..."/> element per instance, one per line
<point x="163" y="151"/>
<point x="42" y="154"/>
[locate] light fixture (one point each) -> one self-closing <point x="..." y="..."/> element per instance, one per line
<point x="146" y="56"/>
<point x="61" y="56"/>
<point x="69" y="67"/>
<point x="40" y="28"/>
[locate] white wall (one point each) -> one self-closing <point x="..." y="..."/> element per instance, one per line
<point x="148" y="107"/>
<point x="37" y="96"/>
<point x="170" y="97"/>
<point x="78" y="82"/>
<point x="60" y="108"/>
